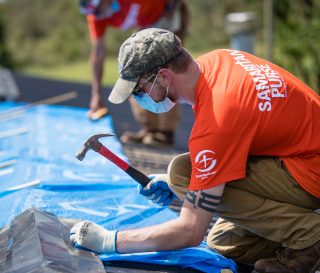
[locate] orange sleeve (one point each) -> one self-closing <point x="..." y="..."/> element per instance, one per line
<point x="216" y="159"/>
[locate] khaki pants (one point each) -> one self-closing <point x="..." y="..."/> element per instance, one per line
<point x="259" y="213"/>
<point x="177" y="21"/>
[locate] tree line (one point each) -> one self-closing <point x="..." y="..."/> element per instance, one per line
<point x="49" y="32"/>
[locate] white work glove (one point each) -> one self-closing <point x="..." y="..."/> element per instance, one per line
<point x="158" y="190"/>
<point x="91" y="236"/>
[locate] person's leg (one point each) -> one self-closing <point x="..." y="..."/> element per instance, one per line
<point x="267" y="203"/>
<point x="156" y="129"/>
<point x="270" y="204"/>
<point x="184" y="18"/>
<point x="147" y="120"/>
<point x="179" y="173"/>
<point x="239" y="244"/>
<point x="176" y="19"/>
<point x="166" y="126"/>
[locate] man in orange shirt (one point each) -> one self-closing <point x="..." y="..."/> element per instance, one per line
<point x="254" y="156"/>
<point x="126" y="14"/>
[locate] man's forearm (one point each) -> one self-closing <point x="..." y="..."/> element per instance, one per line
<point x="167" y="236"/>
<point x="187" y="230"/>
<point x="97" y="65"/>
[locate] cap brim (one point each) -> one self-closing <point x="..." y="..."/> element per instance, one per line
<point x="122" y="90"/>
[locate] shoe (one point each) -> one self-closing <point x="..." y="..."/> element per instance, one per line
<point x="98" y="114"/>
<point x="159" y="139"/>
<point x="134" y="137"/>
<point x="290" y="261"/>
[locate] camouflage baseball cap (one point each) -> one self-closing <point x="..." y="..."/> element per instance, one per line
<point x="143" y="52"/>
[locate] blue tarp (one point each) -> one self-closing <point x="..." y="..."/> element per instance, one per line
<point x="44" y="147"/>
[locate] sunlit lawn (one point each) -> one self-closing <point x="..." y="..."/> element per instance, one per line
<point x="75" y="72"/>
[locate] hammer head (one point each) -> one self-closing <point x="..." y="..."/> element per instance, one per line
<point x="92" y="143"/>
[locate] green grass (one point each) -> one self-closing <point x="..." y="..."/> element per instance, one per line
<point x="76" y="72"/>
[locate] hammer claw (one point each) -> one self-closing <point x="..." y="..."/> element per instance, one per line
<point x="82" y="153"/>
<point x="93" y="144"/>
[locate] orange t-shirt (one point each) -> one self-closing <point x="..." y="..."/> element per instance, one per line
<point x="131" y="13"/>
<point x="246" y="106"/>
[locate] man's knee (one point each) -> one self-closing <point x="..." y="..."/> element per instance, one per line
<point x="227" y="244"/>
<point x="239" y="244"/>
<point x="179" y="173"/>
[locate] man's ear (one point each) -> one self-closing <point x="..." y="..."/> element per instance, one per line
<point x="165" y="76"/>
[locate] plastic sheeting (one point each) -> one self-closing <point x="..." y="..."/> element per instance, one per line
<point x="200" y="258"/>
<point x="46" y="139"/>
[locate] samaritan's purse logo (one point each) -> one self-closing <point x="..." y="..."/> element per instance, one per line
<point x="205" y="161"/>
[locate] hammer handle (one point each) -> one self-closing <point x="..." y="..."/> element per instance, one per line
<point x="138" y="176"/>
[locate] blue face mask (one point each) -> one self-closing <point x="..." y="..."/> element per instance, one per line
<point x="147" y="103"/>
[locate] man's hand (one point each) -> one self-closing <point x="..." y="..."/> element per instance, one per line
<point x="158" y="190"/>
<point x="91" y="236"/>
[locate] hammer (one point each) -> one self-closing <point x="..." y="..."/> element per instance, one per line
<point x="93" y="143"/>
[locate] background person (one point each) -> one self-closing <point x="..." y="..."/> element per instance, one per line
<point x="125" y="14"/>
<point x="254" y="156"/>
